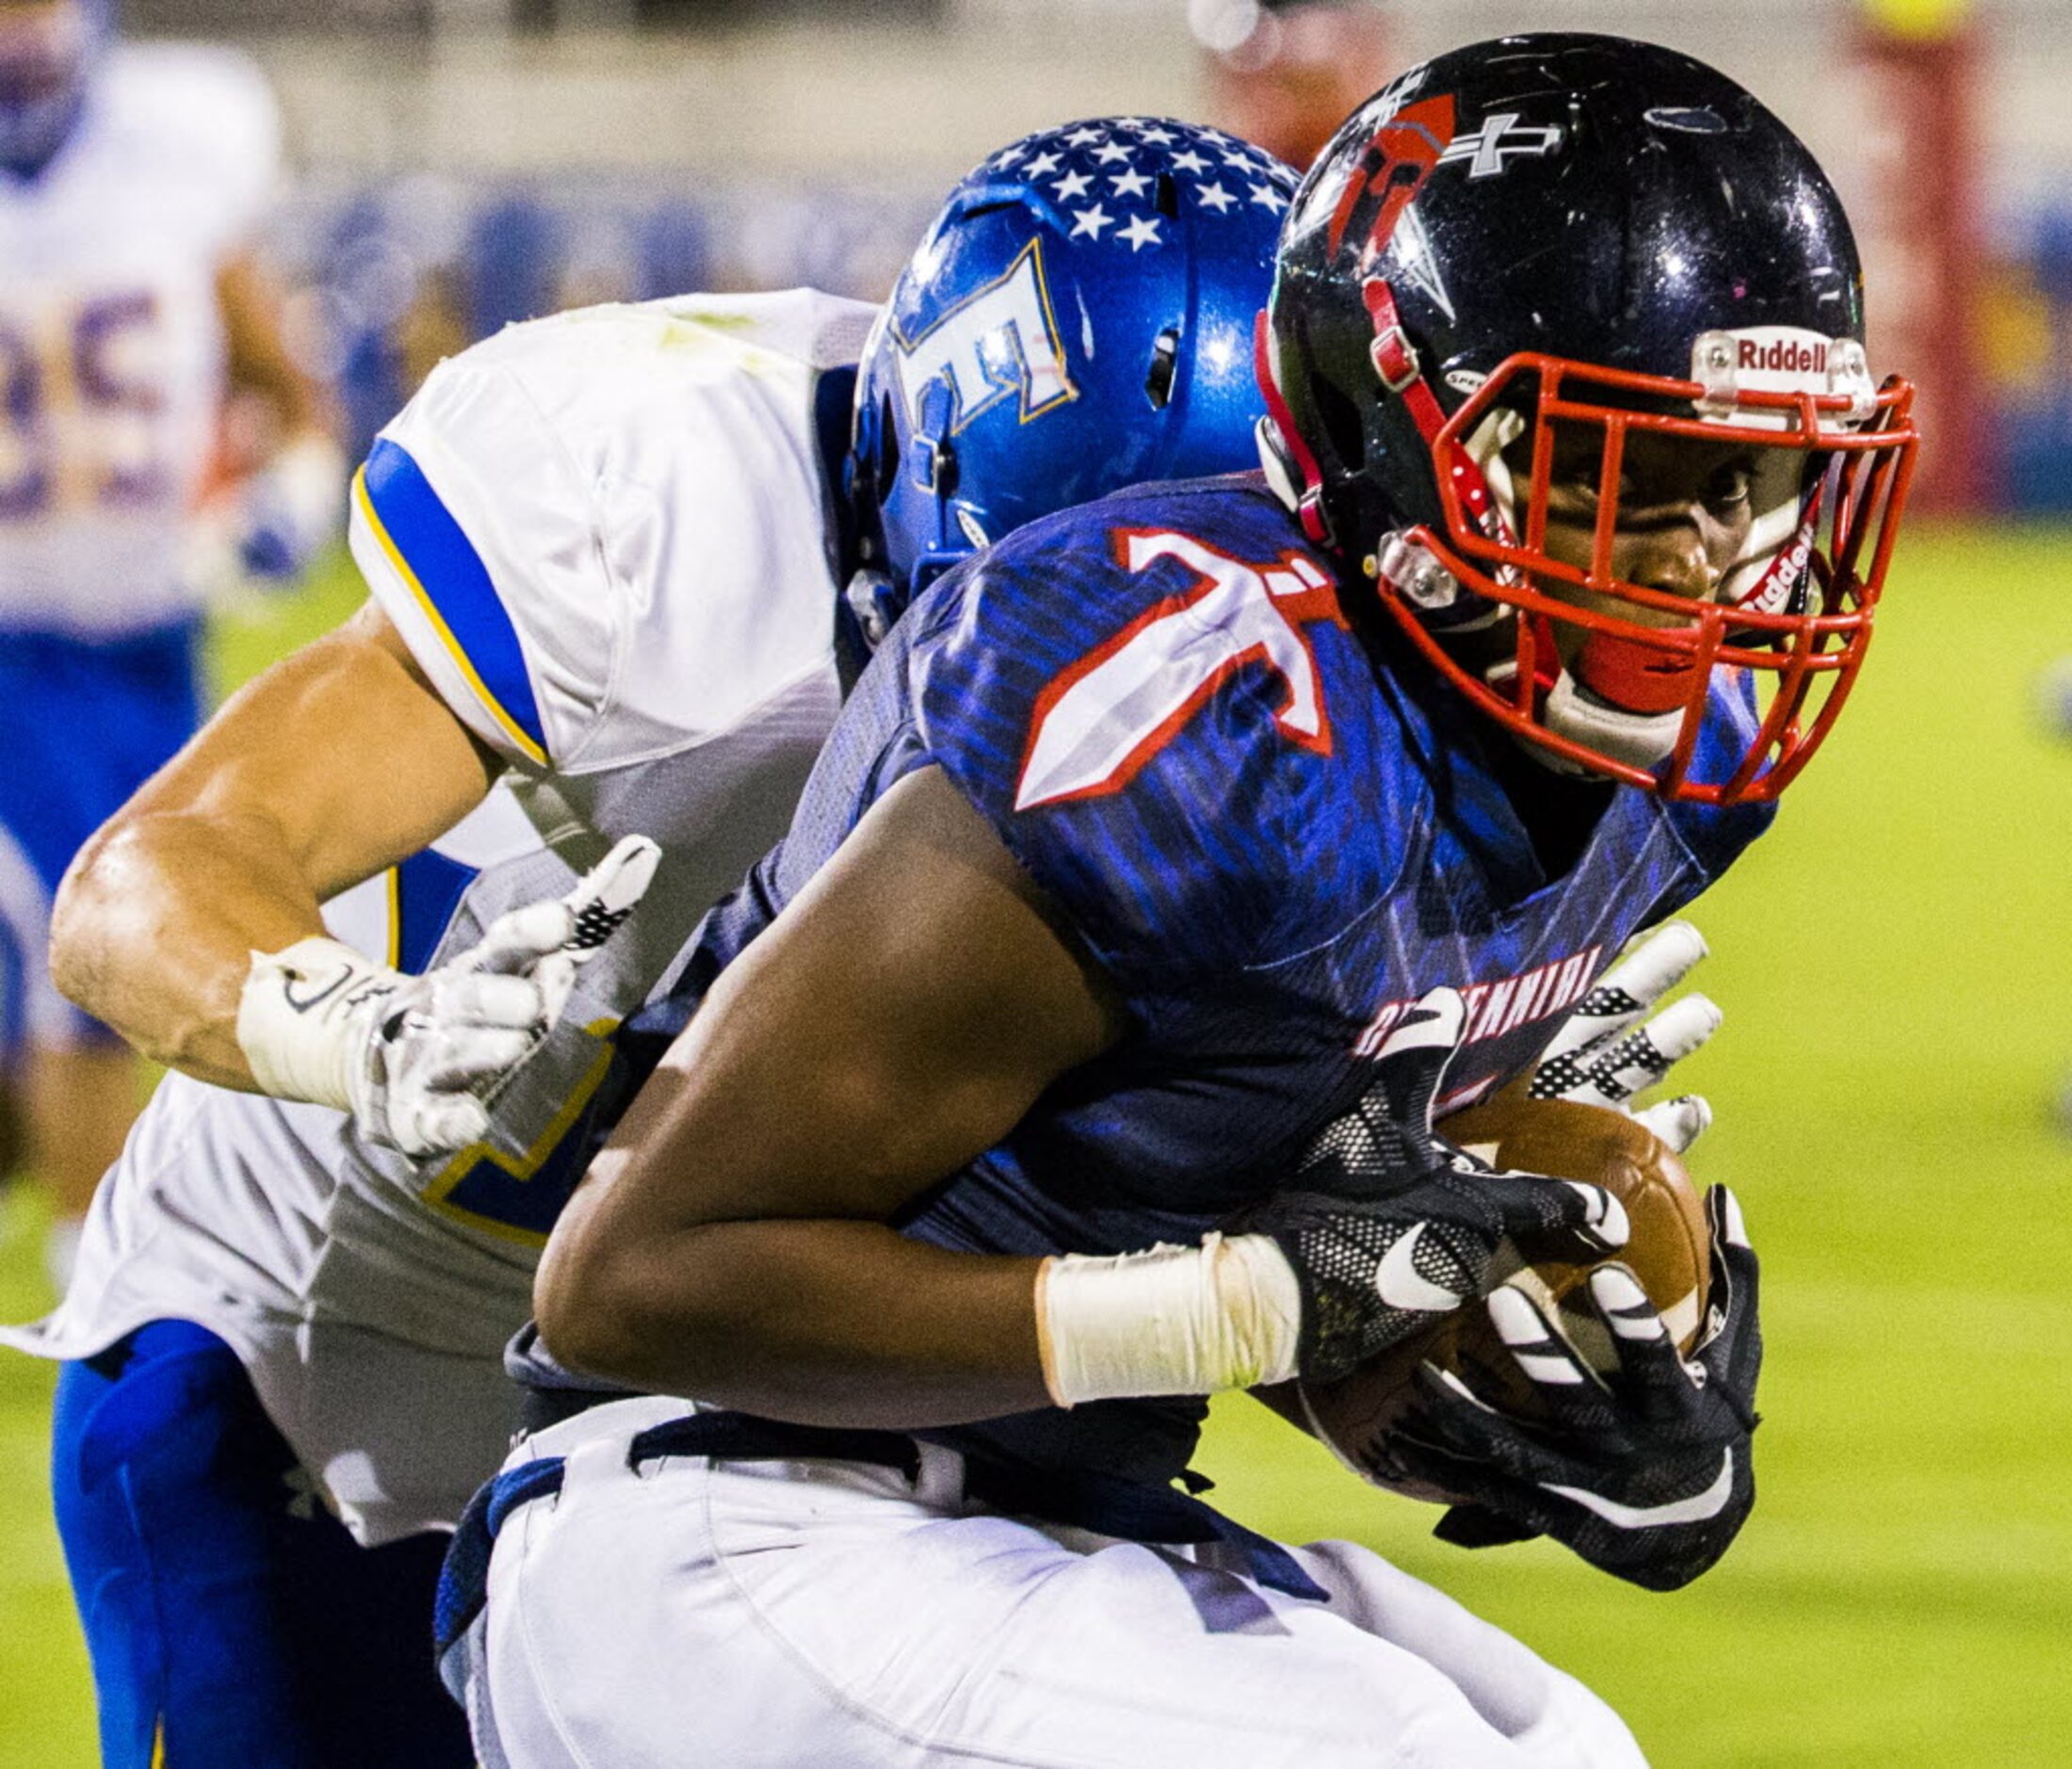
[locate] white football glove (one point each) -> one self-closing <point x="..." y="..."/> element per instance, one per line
<point x="416" y="1060"/>
<point x="1609" y="1048"/>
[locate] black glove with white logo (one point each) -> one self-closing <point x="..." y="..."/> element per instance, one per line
<point x="1647" y="1475"/>
<point x="1388" y="1226"/>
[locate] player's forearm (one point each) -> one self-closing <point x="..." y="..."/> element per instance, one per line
<point x="155" y="924"/>
<point x="258" y="359"/>
<point x="821" y="1323"/>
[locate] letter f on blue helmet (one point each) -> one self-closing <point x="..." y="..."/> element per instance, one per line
<point x="1077" y="319"/>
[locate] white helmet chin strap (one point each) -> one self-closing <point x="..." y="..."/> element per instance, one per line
<point x="1641" y="740"/>
<point x="1485" y="448"/>
<point x="1279" y="475"/>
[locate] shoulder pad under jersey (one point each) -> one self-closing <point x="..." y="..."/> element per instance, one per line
<point x="201" y="118"/>
<point x="607" y="535"/>
<point x="1132" y="693"/>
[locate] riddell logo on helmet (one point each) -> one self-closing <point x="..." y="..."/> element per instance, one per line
<point x="1783" y="356"/>
<point x="1778" y="359"/>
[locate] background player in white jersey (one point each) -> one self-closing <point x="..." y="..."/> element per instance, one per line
<point x="605" y="555"/>
<point x="130" y="182"/>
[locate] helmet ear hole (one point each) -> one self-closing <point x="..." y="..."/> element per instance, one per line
<point x="1165" y="362"/>
<point x="1166" y="197"/>
<point x="1343" y="427"/>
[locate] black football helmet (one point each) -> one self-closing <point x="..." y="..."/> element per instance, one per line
<point x="1552" y="238"/>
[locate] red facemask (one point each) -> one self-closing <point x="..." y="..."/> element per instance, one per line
<point x="1795" y="612"/>
<point x="1793" y="609"/>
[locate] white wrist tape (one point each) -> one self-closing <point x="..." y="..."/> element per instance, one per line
<point x="299" y="1022"/>
<point x="1174" y="1320"/>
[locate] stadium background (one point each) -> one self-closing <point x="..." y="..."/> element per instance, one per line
<point x="1895" y="965"/>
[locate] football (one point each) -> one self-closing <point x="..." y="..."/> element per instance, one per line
<point x="1669" y="1251"/>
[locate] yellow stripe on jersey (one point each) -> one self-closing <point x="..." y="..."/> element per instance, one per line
<point x="517" y="1198"/>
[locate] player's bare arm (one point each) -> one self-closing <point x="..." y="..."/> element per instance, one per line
<point x="335" y="763"/>
<point x="731" y="1241"/>
<point x="256" y="356"/>
<point x="285" y="472"/>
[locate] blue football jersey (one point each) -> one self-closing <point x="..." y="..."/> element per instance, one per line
<point x="1272" y="832"/>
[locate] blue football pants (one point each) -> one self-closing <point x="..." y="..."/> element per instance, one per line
<point x="230" y="1617"/>
<point x="83" y="723"/>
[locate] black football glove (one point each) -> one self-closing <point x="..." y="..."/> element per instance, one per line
<point x="1647" y="1476"/>
<point x="1388" y="1226"/>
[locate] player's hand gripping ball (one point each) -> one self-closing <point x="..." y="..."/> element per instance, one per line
<point x="1668" y="1250"/>
<point x="1388" y="1226"/>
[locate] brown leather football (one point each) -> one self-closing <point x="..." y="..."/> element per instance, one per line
<point x="1669" y="1251"/>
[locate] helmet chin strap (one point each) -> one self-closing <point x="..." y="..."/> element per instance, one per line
<point x="1641" y="740"/>
<point x="1274" y="462"/>
<point x="1568" y="710"/>
<point x="1282" y="450"/>
<point x="875" y="601"/>
<point x="1770" y="574"/>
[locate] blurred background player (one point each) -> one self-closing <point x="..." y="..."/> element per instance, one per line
<point x="607" y="555"/>
<point x="131" y="183"/>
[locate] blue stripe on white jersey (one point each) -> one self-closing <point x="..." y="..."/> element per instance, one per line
<point x="451" y="584"/>
<point x="425" y="890"/>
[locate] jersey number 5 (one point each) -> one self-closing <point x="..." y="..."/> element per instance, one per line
<point x="80" y="399"/>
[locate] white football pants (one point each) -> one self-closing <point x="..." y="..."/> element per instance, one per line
<point x="833" y="1615"/>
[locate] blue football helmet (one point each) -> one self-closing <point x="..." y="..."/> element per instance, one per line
<point x="48" y="53"/>
<point x="1078" y="318"/>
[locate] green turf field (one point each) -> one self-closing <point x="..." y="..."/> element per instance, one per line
<point x="1896" y="972"/>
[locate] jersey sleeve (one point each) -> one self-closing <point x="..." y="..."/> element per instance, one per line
<point x="478" y="541"/>
<point x="1120" y="746"/>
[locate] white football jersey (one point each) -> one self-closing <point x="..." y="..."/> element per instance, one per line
<point x="607" y="537"/>
<point x="111" y="345"/>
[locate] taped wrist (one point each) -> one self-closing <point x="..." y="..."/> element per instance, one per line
<point x="1226" y="1314"/>
<point x="301" y="1019"/>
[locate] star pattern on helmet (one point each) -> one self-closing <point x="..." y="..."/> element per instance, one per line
<point x="1120" y="179"/>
